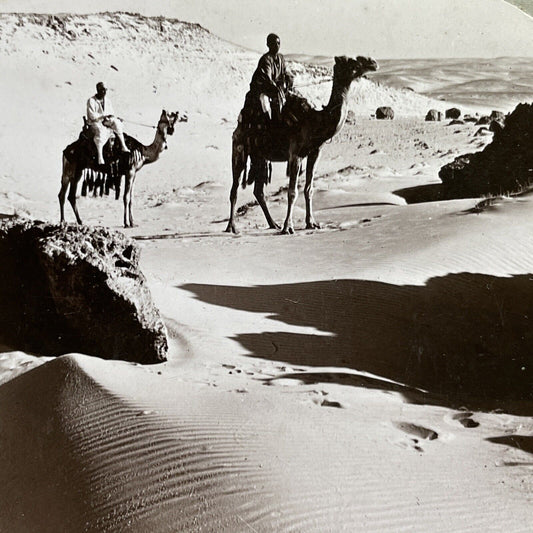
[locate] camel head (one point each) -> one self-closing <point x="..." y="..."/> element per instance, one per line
<point x="347" y="69"/>
<point x="167" y="121"/>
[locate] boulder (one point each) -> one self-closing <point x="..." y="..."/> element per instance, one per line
<point x="456" y="122"/>
<point x="498" y="115"/>
<point x="483" y="120"/>
<point x="503" y="166"/>
<point x="384" y="113"/>
<point x="453" y="112"/>
<point x="76" y="289"/>
<point x="433" y="115"/>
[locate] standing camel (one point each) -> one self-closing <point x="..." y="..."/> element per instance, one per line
<point x="80" y="156"/>
<point x="301" y="134"/>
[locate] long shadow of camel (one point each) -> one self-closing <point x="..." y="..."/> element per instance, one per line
<point x="463" y="337"/>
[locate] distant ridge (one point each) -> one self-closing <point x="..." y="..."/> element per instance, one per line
<point x="174" y="61"/>
<point x="379" y="28"/>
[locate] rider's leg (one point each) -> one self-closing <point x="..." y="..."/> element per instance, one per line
<point x="116" y="126"/>
<point x="101" y="136"/>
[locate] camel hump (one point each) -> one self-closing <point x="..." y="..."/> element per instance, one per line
<point x="295" y="110"/>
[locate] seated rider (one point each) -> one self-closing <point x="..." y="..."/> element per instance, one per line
<point x="102" y="121"/>
<point x="270" y="83"/>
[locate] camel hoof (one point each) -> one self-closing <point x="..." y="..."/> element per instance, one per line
<point x="231" y="229"/>
<point x="288" y="231"/>
<point x="313" y="225"/>
<point x="273" y="225"/>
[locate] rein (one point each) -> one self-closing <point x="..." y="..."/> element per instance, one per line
<point x="138" y="123"/>
<point x="313" y="83"/>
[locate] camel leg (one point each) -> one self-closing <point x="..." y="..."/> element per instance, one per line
<point x="130" y="207"/>
<point x="72" y="194"/>
<point x="238" y="164"/>
<point x="66" y="177"/>
<point x="128" y="190"/>
<point x="259" y="194"/>
<point x="62" y="195"/>
<point x="292" y="193"/>
<point x="233" y="200"/>
<point x="117" y="186"/>
<point x="310" y="222"/>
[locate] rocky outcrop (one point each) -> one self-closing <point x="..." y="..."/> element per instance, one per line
<point x="433" y="115"/>
<point x="76" y="289"/>
<point x="504" y="166"/>
<point x="453" y="112"/>
<point x="384" y="113"/>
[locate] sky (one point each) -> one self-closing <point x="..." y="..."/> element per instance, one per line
<point x="380" y="28"/>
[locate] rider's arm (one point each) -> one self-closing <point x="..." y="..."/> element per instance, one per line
<point x="264" y="76"/>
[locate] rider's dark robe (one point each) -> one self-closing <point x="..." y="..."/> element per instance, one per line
<point x="269" y="76"/>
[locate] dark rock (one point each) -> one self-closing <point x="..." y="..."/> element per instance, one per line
<point x="456" y="122"/>
<point x="483" y="120"/>
<point x="503" y="166"/>
<point x="433" y="115"/>
<point x="470" y="118"/>
<point x="76" y="289"/>
<point x="384" y="113"/>
<point x="453" y="113"/>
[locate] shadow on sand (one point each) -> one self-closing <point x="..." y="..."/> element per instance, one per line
<point x="434" y="192"/>
<point x="466" y="338"/>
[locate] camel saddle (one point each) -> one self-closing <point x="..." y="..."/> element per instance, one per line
<point x="85" y="148"/>
<point x="262" y="133"/>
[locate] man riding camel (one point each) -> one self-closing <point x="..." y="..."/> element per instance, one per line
<point x="270" y="81"/>
<point x="102" y="120"/>
<point x="263" y="103"/>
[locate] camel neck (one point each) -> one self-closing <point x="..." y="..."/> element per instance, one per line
<point x="336" y="109"/>
<point x="153" y="151"/>
<point x="338" y="97"/>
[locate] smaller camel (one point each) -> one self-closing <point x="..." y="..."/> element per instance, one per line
<point x="80" y="156"/>
<point x="301" y="134"/>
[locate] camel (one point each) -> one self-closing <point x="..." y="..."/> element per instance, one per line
<point x="301" y="134"/>
<point x="80" y="158"/>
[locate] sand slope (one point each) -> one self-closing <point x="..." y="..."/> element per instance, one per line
<point x="100" y="453"/>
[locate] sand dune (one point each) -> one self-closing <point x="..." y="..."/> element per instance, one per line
<point x="112" y="457"/>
